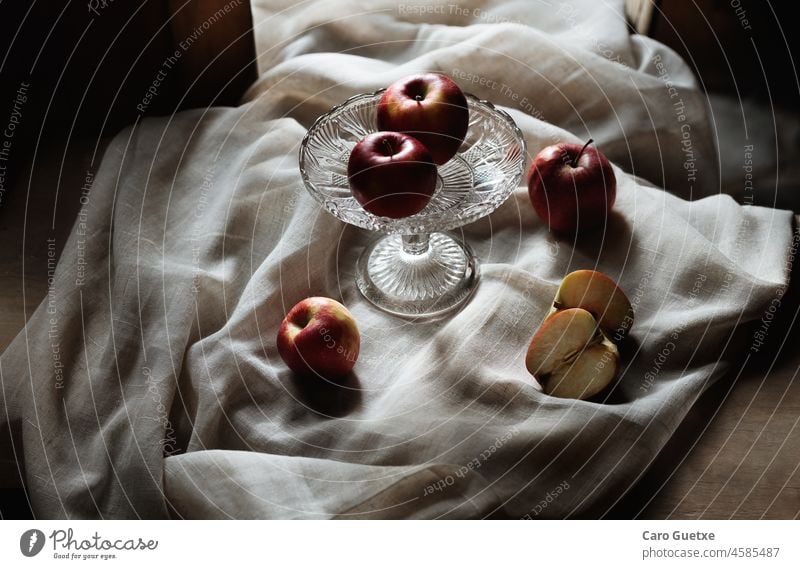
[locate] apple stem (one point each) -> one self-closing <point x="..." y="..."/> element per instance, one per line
<point x="597" y="338"/>
<point x="418" y="98"/>
<point x="578" y="157"/>
<point x="389" y="149"/>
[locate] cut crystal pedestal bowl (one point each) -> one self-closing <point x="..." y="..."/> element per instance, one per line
<point x="416" y="268"/>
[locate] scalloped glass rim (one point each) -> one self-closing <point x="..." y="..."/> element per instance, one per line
<point x="493" y="150"/>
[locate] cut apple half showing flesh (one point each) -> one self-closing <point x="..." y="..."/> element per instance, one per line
<point x="600" y="296"/>
<point x="570" y="356"/>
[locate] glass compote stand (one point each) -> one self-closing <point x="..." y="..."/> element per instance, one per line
<point x="416" y="269"/>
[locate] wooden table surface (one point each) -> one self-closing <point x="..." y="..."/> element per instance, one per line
<point x="736" y="456"/>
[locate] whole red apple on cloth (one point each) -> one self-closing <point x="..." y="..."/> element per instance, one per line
<point x="431" y="108"/>
<point x="319" y="337"/>
<point x="572" y="187"/>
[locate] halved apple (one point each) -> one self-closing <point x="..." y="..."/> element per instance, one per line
<point x="599" y="295"/>
<point x="570" y="356"/>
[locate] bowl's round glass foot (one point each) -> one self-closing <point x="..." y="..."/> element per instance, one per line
<point x="417" y="275"/>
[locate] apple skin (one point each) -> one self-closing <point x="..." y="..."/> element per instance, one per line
<point x="319" y="337"/>
<point x="599" y="295"/>
<point x="572" y="187"/>
<point x="391" y="174"/>
<point x="429" y="107"/>
<point x="571" y="357"/>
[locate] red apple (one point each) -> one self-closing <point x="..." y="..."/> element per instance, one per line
<point x="572" y="187"/>
<point x="429" y="107"/>
<point x="391" y="174"/>
<point x="319" y="337"/>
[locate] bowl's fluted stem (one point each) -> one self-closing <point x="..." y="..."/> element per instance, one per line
<point x="415" y="244"/>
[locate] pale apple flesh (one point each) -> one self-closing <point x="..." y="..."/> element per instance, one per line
<point x="571" y="357"/>
<point x="599" y="295"/>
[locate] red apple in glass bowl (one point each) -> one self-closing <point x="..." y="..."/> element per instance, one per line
<point x="431" y="108"/>
<point x="572" y="187"/>
<point x="391" y="174"/>
<point x="319" y="337"/>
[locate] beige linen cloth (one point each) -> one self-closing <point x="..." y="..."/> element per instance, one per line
<point x="198" y="235"/>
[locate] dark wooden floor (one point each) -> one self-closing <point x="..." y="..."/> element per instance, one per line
<point x="738" y="453"/>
